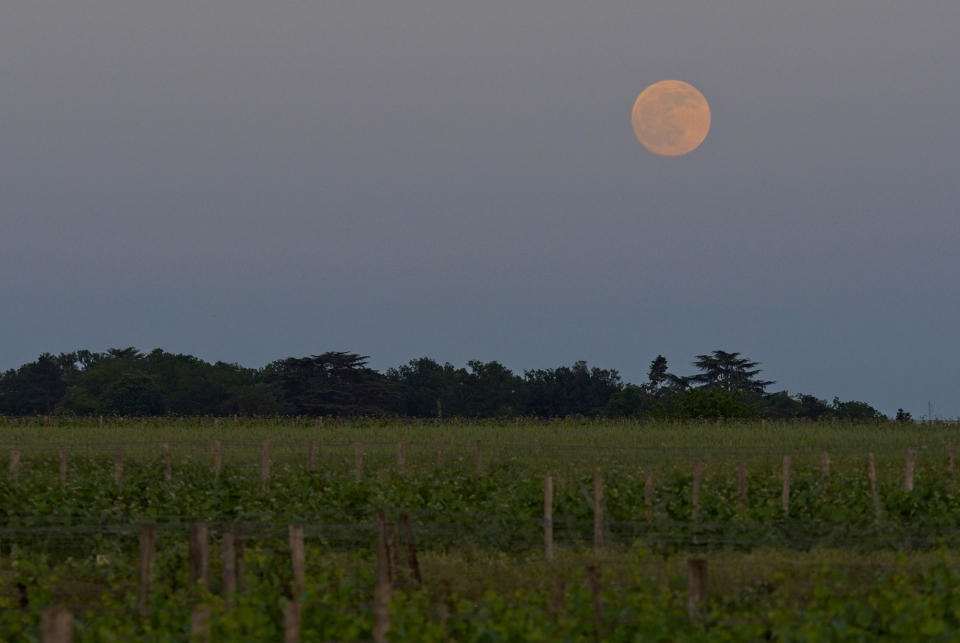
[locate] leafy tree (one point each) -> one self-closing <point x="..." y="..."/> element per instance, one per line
<point x="334" y="383"/>
<point x="728" y="371"/>
<point x="492" y="390"/>
<point x="631" y="401"/>
<point x="814" y="408"/>
<point x="712" y="402"/>
<point x="35" y="388"/>
<point x="660" y="382"/>
<point x="576" y="390"/>
<point x="904" y="417"/>
<point x="856" y="411"/>
<point x="430" y="389"/>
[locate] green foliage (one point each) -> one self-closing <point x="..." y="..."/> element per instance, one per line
<point x="711" y="402"/>
<point x="125" y="382"/>
<point x="856" y="411"/>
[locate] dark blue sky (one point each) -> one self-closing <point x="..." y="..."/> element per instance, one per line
<point x="246" y="181"/>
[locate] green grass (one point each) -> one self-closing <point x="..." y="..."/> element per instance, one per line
<point x="581" y="442"/>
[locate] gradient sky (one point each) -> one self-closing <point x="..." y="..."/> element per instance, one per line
<point x="246" y="181"/>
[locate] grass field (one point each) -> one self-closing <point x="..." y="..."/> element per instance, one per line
<point x="842" y="563"/>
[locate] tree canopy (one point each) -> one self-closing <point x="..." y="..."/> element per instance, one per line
<point x="126" y="381"/>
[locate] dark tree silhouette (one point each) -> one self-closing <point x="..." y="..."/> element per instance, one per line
<point x="334" y="383"/>
<point x="728" y="371"/>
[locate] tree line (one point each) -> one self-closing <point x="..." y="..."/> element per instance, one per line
<point x="125" y="381"/>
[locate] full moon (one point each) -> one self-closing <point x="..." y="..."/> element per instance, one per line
<point x="671" y="118"/>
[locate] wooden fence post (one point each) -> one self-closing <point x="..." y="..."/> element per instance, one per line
<point x="742" y="485"/>
<point x="15" y="468"/>
<point x="950" y="463"/>
<point x="311" y="456"/>
<point x="118" y="466"/>
<point x="401" y="457"/>
<point x="200" y="623"/>
<point x="697" y="586"/>
<point x="695" y="493"/>
<point x="357" y="459"/>
<point x="199" y="554"/>
<point x="297" y="560"/>
<point x="593" y="578"/>
<point x="479" y="457"/>
<point x="548" y="517"/>
<point x="291" y="622"/>
<point x="238" y="547"/>
<point x="597" y="510"/>
<point x="382" y="591"/>
<point x="228" y="556"/>
<point x="63" y="468"/>
<point x="648" y="494"/>
<point x="439" y="454"/>
<point x="148" y="536"/>
<point x="412" y="560"/>
<point x="825" y="467"/>
<point x="167" y="467"/>
<point x="56" y="625"/>
<point x="217" y="457"/>
<point x="786" y="486"/>
<point x="908" y="474"/>
<point x="264" y="463"/>
<point x="872" y="476"/>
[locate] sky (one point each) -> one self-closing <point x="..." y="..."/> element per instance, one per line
<point x="246" y="181"/>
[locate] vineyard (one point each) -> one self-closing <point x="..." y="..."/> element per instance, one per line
<point x="310" y="530"/>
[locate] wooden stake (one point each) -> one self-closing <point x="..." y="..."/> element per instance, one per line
<point x="238" y="546"/>
<point x="311" y="456"/>
<point x="548" y="517"/>
<point x="950" y="464"/>
<point x="56" y="625"/>
<point x="439" y="454"/>
<point x="786" y="486"/>
<point x="742" y="485"/>
<point x="199" y="554"/>
<point x="825" y="467"/>
<point x="381" y="594"/>
<point x="558" y="598"/>
<point x="872" y="476"/>
<point x="401" y="457"/>
<point x="167" y="467"/>
<point x="696" y="586"/>
<point x="695" y="495"/>
<point x="217" y="457"/>
<point x="383" y="555"/>
<point x="228" y="556"/>
<point x="200" y="623"/>
<point x="593" y="577"/>
<point x="291" y="622"/>
<point x="298" y="560"/>
<point x="412" y="560"/>
<point x="908" y="474"/>
<point x="63" y="468"/>
<point x="357" y="459"/>
<point x="381" y="612"/>
<point x="148" y="536"/>
<point x="15" y="468"/>
<point x="118" y="466"/>
<point x="479" y="457"/>
<point x="648" y="494"/>
<point x="597" y="510"/>
<point x="264" y="463"/>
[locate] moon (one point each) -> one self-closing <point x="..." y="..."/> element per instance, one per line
<point x="671" y="118"/>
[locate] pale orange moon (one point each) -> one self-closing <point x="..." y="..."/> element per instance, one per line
<point x="671" y="118"/>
